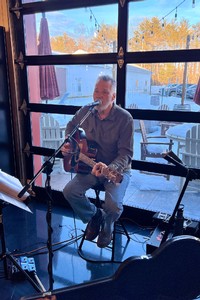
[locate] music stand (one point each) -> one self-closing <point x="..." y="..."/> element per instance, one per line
<point x="9" y="187"/>
<point x="191" y="174"/>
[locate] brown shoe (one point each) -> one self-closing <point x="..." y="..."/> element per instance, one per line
<point x="104" y="238"/>
<point x="93" y="227"/>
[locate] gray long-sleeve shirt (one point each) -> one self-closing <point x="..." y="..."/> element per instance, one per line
<point x="113" y="135"/>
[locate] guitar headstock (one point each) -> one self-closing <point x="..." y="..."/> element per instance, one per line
<point x="112" y="175"/>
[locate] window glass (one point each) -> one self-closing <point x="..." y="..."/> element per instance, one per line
<point x="79" y="31"/>
<point x="168" y="25"/>
<point x="94" y="30"/>
<point x="162" y="137"/>
<point x="58" y="176"/>
<point x="30" y="1"/>
<point x="66" y="85"/>
<point x="166" y="85"/>
<point x="49" y="129"/>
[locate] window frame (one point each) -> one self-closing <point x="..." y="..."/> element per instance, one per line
<point x="190" y="55"/>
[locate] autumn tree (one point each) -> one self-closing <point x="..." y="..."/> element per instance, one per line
<point x="63" y="44"/>
<point x="150" y="35"/>
<point x="154" y="34"/>
<point x="104" y="39"/>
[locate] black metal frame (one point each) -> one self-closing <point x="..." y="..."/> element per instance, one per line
<point x="188" y="55"/>
<point x="191" y="174"/>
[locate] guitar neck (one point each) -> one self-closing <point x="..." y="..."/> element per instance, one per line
<point x="88" y="161"/>
<point x="111" y="175"/>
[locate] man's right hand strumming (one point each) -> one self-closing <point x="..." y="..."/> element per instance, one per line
<point x="66" y="149"/>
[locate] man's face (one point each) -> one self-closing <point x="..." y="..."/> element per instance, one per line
<point x="103" y="91"/>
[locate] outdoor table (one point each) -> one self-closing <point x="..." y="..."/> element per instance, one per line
<point x="178" y="133"/>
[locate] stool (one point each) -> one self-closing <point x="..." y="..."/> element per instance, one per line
<point x="98" y="189"/>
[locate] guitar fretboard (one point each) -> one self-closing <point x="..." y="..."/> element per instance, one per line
<point x="112" y="175"/>
<point x="86" y="160"/>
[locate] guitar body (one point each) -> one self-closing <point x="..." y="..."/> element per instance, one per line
<point x="82" y="155"/>
<point x="71" y="161"/>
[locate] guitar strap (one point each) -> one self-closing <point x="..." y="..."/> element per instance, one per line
<point x="75" y="156"/>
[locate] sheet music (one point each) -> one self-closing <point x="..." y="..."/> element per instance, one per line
<point x="10" y="186"/>
<point x="14" y="202"/>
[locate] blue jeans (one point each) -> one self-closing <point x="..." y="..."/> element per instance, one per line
<point x="74" y="193"/>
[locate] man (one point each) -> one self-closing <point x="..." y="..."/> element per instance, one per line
<point x="111" y="128"/>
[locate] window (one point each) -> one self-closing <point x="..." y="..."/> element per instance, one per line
<point x="164" y="26"/>
<point x="79" y="31"/>
<point x="152" y="56"/>
<point x="165" y="83"/>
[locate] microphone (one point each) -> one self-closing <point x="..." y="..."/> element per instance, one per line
<point x="95" y="103"/>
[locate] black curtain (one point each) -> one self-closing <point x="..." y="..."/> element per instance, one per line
<point x="6" y="141"/>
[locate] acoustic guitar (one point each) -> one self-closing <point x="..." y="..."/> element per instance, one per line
<point x="82" y="156"/>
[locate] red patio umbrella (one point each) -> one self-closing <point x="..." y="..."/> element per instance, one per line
<point x="197" y="94"/>
<point x="48" y="81"/>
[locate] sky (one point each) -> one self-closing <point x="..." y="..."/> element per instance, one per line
<point x="73" y="21"/>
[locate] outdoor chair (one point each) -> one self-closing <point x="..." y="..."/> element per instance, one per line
<point x="163" y="107"/>
<point x="153" y="146"/>
<point x="51" y="134"/>
<point x="163" y="125"/>
<point x="133" y="106"/>
<point x="136" y="122"/>
<point x="191" y="154"/>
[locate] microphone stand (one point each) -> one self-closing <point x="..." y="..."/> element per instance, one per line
<point x="47" y="168"/>
<point x="190" y="175"/>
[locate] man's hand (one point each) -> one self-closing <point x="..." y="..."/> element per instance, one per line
<point x="97" y="169"/>
<point x="66" y="149"/>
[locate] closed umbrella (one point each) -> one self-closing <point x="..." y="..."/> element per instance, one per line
<point x="197" y="94"/>
<point x="48" y="81"/>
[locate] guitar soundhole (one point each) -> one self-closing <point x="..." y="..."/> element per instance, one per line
<point x="92" y="149"/>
